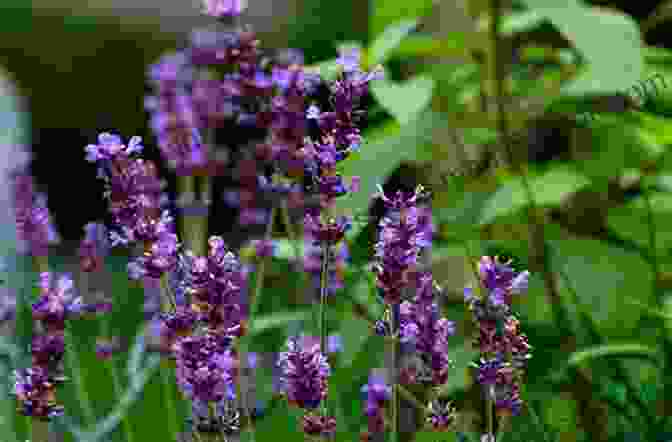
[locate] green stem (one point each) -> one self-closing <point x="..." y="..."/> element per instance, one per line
<point x="193" y="227"/>
<point x="112" y="369"/>
<point x="291" y="233"/>
<point x="324" y="281"/>
<point x="168" y="302"/>
<point x="39" y="430"/>
<point x="255" y="302"/>
<point x="394" y="380"/>
<point x="410" y="397"/>
<point x="167" y="385"/>
<point x="489" y="410"/>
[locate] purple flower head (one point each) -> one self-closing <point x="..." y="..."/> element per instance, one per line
<point x="33" y="221"/>
<point x="313" y="113"/>
<point x="339" y="257"/>
<point x="488" y="370"/>
<point x="109" y="146"/>
<point x="441" y="415"/>
<point x="317" y="425"/>
<point x="36" y="393"/>
<point x="206" y="369"/>
<point x="177" y="323"/>
<point x="334" y="343"/>
<point x="47" y="350"/>
<point x="376" y="393"/>
<point x="330" y="232"/>
<point x="58" y="301"/>
<point x="94" y="247"/>
<point x="160" y="259"/>
<point x="105" y="348"/>
<point x="401" y="239"/>
<point x="501" y="280"/>
<point x="215" y="285"/>
<point x="224" y="8"/>
<point x="264" y="248"/>
<point x="304" y="374"/>
<point x="349" y="58"/>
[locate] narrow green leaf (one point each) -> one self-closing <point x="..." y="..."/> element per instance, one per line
<point x="275" y="320"/>
<point x="137" y="352"/>
<point x="389" y="40"/>
<point x="618" y="350"/>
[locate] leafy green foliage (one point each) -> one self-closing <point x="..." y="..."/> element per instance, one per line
<point x="547" y="189"/>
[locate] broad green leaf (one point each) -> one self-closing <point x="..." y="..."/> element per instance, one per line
<point x="593" y="31"/>
<point x="631" y="221"/>
<point x="603" y="276"/>
<point x="348" y="381"/>
<point x="548" y="189"/>
<point x="389" y="40"/>
<point x="378" y="159"/>
<point x="655" y="133"/>
<point x="617" y="350"/>
<point x="354" y="333"/>
<point x="405" y="101"/>
<point x="385" y="13"/>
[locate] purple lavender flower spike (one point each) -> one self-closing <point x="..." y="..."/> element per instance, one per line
<point x="33" y="221"/>
<point x="304" y="374"/>
<point x="206" y="370"/>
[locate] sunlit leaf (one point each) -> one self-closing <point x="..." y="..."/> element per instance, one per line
<point x="389" y="40"/>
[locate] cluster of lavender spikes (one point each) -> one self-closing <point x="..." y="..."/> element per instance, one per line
<point x="204" y="307"/>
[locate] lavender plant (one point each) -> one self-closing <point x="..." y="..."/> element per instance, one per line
<point x="206" y="315"/>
